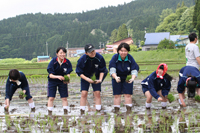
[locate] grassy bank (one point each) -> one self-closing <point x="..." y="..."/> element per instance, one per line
<point x="147" y="60"/>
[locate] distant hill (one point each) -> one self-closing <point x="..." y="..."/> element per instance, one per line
<point x="25" y="36"/>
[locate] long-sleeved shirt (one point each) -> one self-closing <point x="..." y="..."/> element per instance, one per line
<point x="123" y="67"/>
<point x="155" y="84"/>
<point x="56" y="69"/>
<point x="89" y="66"/>
<point x="24" y="84"/>
<point x="183" y="75"/>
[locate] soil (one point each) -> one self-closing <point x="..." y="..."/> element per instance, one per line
<point x="172" y="119"/>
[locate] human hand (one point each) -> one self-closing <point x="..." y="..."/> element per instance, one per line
<point x="60" y="78"/>
<point x="117" y="79"/>
<point x="90" y="80"/>
<point x="97" y="81"/>
<point x="183" y="104"/>
<point x="24" y="91"/>
<point x="160" y="99"/>
<point x="66" y="82"/>
<point x="130" y="81"/>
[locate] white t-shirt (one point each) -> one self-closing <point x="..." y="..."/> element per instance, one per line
<point x="191" y="52"/>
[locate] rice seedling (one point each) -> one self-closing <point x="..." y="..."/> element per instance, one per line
<point x="128" y="78"/>
<point x="197" y="98"/>
<point x="22" y="95"/>
<point x="93" y="77"/>
<point x="170" y="97"/>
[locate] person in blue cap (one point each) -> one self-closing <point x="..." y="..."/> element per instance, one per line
<point x="17" y="79"/>
<point x="57" y="69"/>
<point x="189" y="76"/>
<point x="157" y="85"/>
<point x="121" y="65"/>
<point x="91" y="63"/>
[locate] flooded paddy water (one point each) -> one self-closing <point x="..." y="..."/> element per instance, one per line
<point x="172" y="119"/>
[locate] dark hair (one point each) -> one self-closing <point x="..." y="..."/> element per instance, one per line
<point x="168" y="77"/>
<point x="192" y="36"/>
<point x="61" y="48"/>
<point x="123" y="45"/>
<point x="161" y="67"/>
<point x="14" y="74"/>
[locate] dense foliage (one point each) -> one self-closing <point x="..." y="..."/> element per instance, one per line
<point x="178" y="22"/>
<point x="28" y="35"/>
<point x="196" y="16"/>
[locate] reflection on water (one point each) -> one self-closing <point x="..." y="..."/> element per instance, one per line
<point x="172" y="119"/>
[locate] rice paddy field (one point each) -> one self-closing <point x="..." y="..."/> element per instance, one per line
<point x="172" y="119"/>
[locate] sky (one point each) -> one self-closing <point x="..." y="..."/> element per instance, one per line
<point x="11" y="8"/>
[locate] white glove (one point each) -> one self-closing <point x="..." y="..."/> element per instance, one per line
<point x="130" y="81"/>
<point x="117" y="79"/>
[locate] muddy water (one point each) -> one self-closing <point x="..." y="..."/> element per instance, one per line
<point x="173" y="119"/>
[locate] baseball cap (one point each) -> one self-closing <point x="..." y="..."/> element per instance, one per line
<point x="89" y="48"/>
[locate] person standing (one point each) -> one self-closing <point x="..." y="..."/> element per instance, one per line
<point x="121" y="65"/>
<point x="17" y="79"/>
<point x="91" y="63"/>
<point x="157" y="85"/>
<point x="192" y="52"/>
<point x="57" y="69"/>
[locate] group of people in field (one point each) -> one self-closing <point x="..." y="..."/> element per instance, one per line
<point x="122" y="64"/>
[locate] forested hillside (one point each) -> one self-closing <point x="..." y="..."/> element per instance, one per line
<point x="26" y="35"/>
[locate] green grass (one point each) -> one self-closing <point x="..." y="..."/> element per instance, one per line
<point x="147" y="61"/>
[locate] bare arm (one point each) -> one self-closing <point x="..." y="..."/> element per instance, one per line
<point x="198" y="60"/>
<point x="181" y="98"/>
<point x="56" y="77"/>
<point x="86" y="78"/>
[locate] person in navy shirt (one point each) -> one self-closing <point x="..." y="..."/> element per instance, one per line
<point x="57" y="68"/>
<point x="121" y="65"/>
<point x="88" y="64"/>
<point x="157" y="85"/>
<point x="17" y="80"/>
<point x="189" y="76"/>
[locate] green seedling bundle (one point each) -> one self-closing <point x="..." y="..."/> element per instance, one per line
<point x="128" y="78"/>
<point x="197" y="98"/>
<point x="93" y="77"/>
<point x="170" y="97"/>
<point x="66" y="79"/>
<point x="22" y="95"/>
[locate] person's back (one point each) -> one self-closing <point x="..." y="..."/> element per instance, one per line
<point x="192" y="52"/>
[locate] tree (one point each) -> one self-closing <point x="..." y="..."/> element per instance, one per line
<point x="133" y="48"/>
<point x="185" y="25"/>
<point x="196" y="16"/>
<point x="122" y="32"/>
<point x="141" y="43"/>
<point x="113" y="36"/>
<point x="164" y="14"/>
<point x="166" y="44"/>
